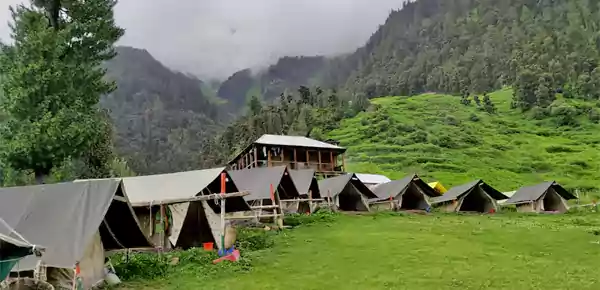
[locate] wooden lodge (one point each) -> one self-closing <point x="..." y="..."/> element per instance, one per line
<point x="296" y="152"/>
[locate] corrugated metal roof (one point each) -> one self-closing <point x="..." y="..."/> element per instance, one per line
<point x="300" y="141"/>
<point x="367" y="178"/>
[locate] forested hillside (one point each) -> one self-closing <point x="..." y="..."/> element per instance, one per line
<point x="161" y="117"/>
<point x="466" y="45"/>
<point x="444" y="138"/>
<point x="455" y="46"/>
<point x="286" y="75"/>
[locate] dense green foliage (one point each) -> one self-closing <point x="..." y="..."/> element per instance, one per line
<point x="51" y="84"/>
<point x="440" y="251"/>
<point x="309" y="112"/>
<point x="285" y="75"/>
<point x="441" y="138"/>
<point x="161" y="117"/>
<point x="458" y="46"/>
<point x="142" y="267"/>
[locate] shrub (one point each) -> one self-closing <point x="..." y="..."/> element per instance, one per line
<point x="140" y="266"/>
<point x="254" y="239"/>
<point x="320" y="216"/>
<point x="474" y="117"/>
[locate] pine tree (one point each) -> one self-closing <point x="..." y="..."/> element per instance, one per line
<point x="52" y="82"/>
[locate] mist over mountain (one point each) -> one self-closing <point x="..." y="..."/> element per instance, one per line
<point x="214" y="39"/>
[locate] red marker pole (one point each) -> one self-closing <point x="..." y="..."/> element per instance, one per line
<point x="223" y="189"/>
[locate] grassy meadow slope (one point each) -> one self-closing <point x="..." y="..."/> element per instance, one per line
<point x="391" y="251"/>
<point x="441" y="139"/>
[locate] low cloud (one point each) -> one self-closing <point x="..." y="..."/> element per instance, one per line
<point x="214" y="38"/>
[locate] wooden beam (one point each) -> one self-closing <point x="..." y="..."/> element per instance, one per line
<point x="344" y="162"/>
<point x="268" y="157"/>
<point x="119" y="198"/>
<point x="191" y="199"/>
<point x="264" y="207"/>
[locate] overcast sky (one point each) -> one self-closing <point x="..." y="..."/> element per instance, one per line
<point x="214" y="38"/>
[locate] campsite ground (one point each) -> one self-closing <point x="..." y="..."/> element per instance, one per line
<point x="438" y="251"/>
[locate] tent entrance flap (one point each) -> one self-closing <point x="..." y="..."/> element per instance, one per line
<point x="477" y="201"/>
<point x="350" y="199"/>
<point x="413" y="199"/>
<point x="552" y="201"/>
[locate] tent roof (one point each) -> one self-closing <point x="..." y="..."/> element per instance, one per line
<point x="303" y="178"/>
<point x="395" y="187"/>
<point x="258" y="180"/>
<point x="162" y="188"/>
<point x="372" y="178"/>
<point x="297" y="141"/>
<point x="12" y="244"/>
<point x="62" y="218"/>
<point x="458" y="191"/>
<point x="143" y="190"/>
<point x="331" y="187"/>
<point x="534" y="192"/>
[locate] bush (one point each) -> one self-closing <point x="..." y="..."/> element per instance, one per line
<point x="254" y="239"/>
<point x="320" y="216"/>
<point x="474" y="117"/>
<point x="140" y="266"/>
<point x="196" y="261"/>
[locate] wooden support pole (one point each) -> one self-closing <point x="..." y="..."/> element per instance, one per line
<point x="295" y="159"/>
<point x="332" y="161"/>
<point x="269" y="157"/>
<point x="223" y="199"/>
<point x="255" y="157"/>
<point x="307" y="158"/>
<point x="162" y="224"/>
<point x="319" y="156"/>
<point x="310" y="202"/>
<point x="344" y="162"/>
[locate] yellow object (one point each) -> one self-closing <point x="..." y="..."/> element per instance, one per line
<point x="437" y="186"/>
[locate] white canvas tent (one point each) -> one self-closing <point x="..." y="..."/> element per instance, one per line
<point x="169" y="221"/>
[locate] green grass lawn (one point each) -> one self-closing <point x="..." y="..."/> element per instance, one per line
<point x="441" y="139"/>
<point x="440" y="251"/>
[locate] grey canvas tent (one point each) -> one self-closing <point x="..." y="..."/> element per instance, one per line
<point x="408" y="193"/>
<point x="259" y="182"/>
<point x="346" y="192"/>
<point x="305" y="181"/>
<point x="476" y="196"/>
<point x="543" y="197"/>
<point x="181" y="224"/>
<point x="307" y="185"/>
<point x="75" y="223"/>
